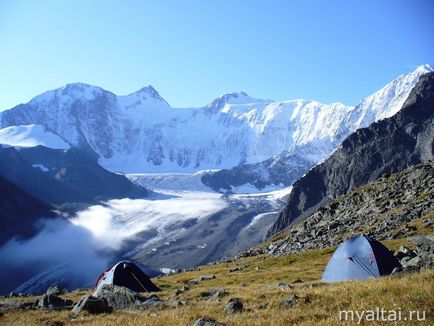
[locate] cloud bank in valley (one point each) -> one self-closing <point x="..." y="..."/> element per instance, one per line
<point x="74" y="252"/>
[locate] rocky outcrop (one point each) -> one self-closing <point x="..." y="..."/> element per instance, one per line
<point x="121" y="298"/>
<point x="419" y="259"/>
<point x="283" y="169"/>
<point x="388" y="146"/>
<point x="393" y="206"/>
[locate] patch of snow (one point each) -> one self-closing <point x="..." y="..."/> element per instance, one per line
<point x="259" y="217"/>
<point x="166" y="270"/>
<point x="31" y="136"/>
<point x="251" y="189"/>
<point x="42" y="167"/>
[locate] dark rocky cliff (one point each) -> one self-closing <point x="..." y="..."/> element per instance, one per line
<point x="388" y="146"/>
<point x="19" y="211"/>
<point x="62" y="177"/>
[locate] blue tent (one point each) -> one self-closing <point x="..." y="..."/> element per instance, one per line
<point x="359" y="258"/>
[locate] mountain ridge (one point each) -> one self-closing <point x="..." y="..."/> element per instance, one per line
<point x="143" y="133"/>
<point x="387" y="146"/>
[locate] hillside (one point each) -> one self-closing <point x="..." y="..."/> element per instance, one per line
<point x="285" y="289"/>
<point x="388" y="146"/>
<point x="63" y="176"/>
<point x="396" y="205"/>
<point x="274" y="291"/>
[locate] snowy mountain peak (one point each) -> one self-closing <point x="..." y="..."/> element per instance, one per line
<point x="233" y="98"/>
<point x="81" y="90"/>
<point x="73" y="91"/>
<point x="150" y="91"/>
<point x="388" y="100"/>
<point x="146" y="98"/>
<point x="424" y="68"/>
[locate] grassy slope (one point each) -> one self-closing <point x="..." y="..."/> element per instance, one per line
<point x="257" y="289"/>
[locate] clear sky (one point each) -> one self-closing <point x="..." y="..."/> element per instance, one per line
<point x="192" y="51"/>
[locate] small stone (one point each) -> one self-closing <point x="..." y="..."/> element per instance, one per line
<point x="182" y="290"/>
<point x="206" y="321"/>
<point x="206" y="277"/>
<point x="292" y="300"/>
<point x="297" y="280"/>
<point x="215" y="293"/>
<point x="178" y="304"/>
<point x="193" y="282"/>
<point x="234" y="306"/>
<point x="284" y="286"/>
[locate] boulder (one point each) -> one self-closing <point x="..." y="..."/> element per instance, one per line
<point x="206" y="277"/>
<point x="54" y="302"/>
<point x="92" y="305"/>
<point x="234" y="306"/>
<point x="121" y="298"/>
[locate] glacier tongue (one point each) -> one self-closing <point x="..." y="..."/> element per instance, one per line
<point x="141" y="133"/>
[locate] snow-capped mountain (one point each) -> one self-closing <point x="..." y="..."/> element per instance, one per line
<point x="140" y="132"/>
<point x="44" y="165"/>
<point x="315" y="136"/>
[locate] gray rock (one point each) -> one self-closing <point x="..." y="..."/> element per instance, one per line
<point x="206" y="277"/>
<point x="192" y="282"/>
<point x="54" y="290"/>
<point x="205" y="321"/>
<point x="215" y="293"/>
<point x="182" y="290"/>
<point x="404" y="252"/>
<point x="54" y="302"/>
<point x="92" y="305"/>
<point x="292" y="300"/>
<point x="10" y="305"/>
<point x="121" y="298"/>
<point x="234" y="306"/>
<point x="413" y="262"/>
<point x="284" y="286"/>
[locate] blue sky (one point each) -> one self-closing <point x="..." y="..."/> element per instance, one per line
<point x="193" y="51"/>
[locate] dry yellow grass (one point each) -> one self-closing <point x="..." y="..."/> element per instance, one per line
<point x="262" y="299"/>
